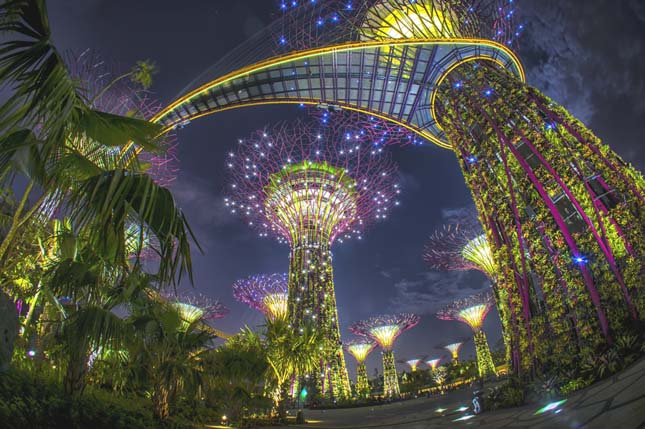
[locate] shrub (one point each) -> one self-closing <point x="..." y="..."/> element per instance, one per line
<point x="573" y="385"/>
<point x="507" y="395"/>
<point x="27" y="401"/>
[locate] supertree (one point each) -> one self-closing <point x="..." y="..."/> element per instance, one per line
<point x="472" y="311"/>
<point x="462" y="246"/>
<point x="413" y="363"/>
<point x="108" y="89"/>
<point x="561" y="211"/>
<point x="193" y="307"/>
<point x="360" y="348"/>
<point x="385" y="330"/>
<point x="119" y="93"/>
<point x="433" y="363"/>
<point x="453" y="349"/>
<point x="265" y="293"/>
<point x="309" y="185"/>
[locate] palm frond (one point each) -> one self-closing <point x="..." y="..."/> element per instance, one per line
<point x="106" y="202"/>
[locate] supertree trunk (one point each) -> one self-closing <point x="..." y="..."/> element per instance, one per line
<point x="312" y="298"/>
<point x="562" y="212"/>
<point x="362" y="383"/>
<point x="485" y="364"/>
<point x="390" y="378"/>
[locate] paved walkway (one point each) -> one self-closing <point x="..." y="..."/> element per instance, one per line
<point x="615" y="403"/>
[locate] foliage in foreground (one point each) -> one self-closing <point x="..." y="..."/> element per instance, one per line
<point x="30" y="401"/>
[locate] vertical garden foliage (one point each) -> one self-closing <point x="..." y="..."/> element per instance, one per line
<point x="563" y="213"/>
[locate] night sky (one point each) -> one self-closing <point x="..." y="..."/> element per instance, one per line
<point x="587" y="55"/>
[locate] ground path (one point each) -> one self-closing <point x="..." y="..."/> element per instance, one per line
<point x="615" y="403"/>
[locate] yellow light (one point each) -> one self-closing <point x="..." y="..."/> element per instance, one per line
<point x="385" y="335"/>
<point x="478" y="251"/>
<point x="276" y="303"/>
<point x="346" y="47"/>
<point x="360" y="351"/>
<point x="420" y="20"/>
<point x="432" y="363"/>
<point x="474" y="316"/>
<point x="413" y="363"/>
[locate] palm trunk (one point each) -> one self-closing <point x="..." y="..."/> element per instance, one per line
<point x="282" y="400"/>
<point x="160" y="402"/>
<point x="75" y="375"/>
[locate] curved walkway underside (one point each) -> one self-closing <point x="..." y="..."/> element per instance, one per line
<point x="394" y="80"/>
<point x="617" y="402"/>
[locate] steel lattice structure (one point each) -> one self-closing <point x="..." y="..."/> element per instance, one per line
<point x="413" y="364"/>
<point x="385" y="330"/>
<point x="108" y="91"/>
<point x="360" y="349"/>
<point x="461" y="246"/>
<point x="193" y="307"/>
<point x="472" y="311"/>
<point x="267" y="293"/>
<point x="310" y="184"/>
<point x="453" y="349"/>
<point x="562" y="213"/>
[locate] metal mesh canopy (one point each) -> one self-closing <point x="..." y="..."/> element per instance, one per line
<point x="305" y="182"/>
<point x="385" y="329"/>
<point x="471" y="310"/>
<point x="264" y="292"/>
<point x="382" y="57"/>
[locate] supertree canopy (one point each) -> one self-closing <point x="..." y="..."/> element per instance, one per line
<point x="193" y="307"/>
<point x="309" y="185"/>
<point x="413" y="363"/>
<point x="454" y="348"/>
<point x="461" y="246"/>
<point x="433" y="363"/>
<point x="385" y="330"/>
<point x="266" y="293"/>
<point x="360" y="348"/>
<point x="115" y="92"/>
<point x="562" y="212"/>
<point x="472" y="311"/>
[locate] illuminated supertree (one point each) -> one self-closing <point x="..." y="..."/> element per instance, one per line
<point x="310" y="185"/>
<point x="433" y="363"/>
<point x="453" y="349"/>
<point x="385" y="330"/>
<point x="561" y="211"/>
<point x="413" y="364"/>
<point x="461" y="246"/>
<point x="193" y="307"/>
<point x="360" y="348"/>
<point x="114" y="92"/>
<point x="472" y="311"/>
<point x="266" y="293"/>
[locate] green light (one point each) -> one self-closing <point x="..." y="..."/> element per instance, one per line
<point x="550" y="407"/>
<point x="478" y="252"/>
<point x="303" y="393"/>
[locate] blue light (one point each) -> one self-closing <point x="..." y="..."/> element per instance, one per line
<point x="320" y="22"/>
<point x="471" y="159"/>
<point x="348" y="6"/>
<point x="457" y="85"/>
<point x="283" y="40"/>
<point x="581" y="260"/>
<point x="283" y="6"/>
<point x="488" y="92"/>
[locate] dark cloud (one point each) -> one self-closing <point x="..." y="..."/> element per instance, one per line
<point x="429" y="291"/>
<point x="589" y="57"/>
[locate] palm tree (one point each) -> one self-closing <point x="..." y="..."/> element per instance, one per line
<point x="237" y="374"/>
<point x="167" y="353"/>
<point x="290" y="354"/>
<point x="53" y="135"/>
